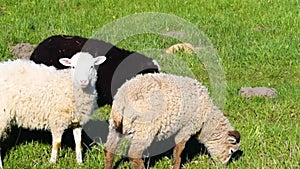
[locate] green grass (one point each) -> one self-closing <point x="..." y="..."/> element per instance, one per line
<point x="258" y="43"/>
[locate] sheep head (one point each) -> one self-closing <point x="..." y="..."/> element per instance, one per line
<point x="84" y="68"/>
<point x="223" y="148"/>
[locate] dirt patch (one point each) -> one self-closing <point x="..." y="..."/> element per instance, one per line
<point x="22" y="50"/>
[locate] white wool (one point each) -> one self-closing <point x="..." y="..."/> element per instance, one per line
<point x="161" y="105"/>
<point x="44" y="93"/>
<point x="36" y="96"/>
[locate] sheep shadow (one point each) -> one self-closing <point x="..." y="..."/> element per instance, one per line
<point x="18" y="136"/>
<point x="96" y="131"/>
<point x="192" y="149"/>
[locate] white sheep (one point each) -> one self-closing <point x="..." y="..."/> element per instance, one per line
<point x="158" y="106"/>
<point x="35" y="96"/>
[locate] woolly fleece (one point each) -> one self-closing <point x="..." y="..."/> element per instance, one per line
<point x="160" y="105"/>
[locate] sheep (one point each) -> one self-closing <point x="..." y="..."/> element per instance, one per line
<point x="120" y="66"/>
<point x="36" y="96"/>
<point x="158" y="106"/>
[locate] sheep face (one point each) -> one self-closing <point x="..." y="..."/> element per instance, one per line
<point x="84" y="70"/>
<point x="222" y="150"/>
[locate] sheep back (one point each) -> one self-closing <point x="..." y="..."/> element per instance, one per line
<point x="160" y="105"/>
<point x="55" y="47"/>
<point x="38" y="91"/>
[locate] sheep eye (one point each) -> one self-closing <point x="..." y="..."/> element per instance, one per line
<point x="232" y="141"/>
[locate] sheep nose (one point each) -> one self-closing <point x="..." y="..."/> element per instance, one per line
<point x="83" y="81"/>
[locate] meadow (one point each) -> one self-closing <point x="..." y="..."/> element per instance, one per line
<point x="257" y="42"/>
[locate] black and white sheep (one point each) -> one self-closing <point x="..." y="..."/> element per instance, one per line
<point x="120" y="65"/>
<point x="36" y="96"/>
<point x="158" y="106"/>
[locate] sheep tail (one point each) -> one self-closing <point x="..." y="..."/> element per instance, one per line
<point x="116" y="122"/>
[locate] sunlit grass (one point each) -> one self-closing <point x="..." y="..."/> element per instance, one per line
<point x="258" y="43"/>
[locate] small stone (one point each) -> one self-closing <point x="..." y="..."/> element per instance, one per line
<point x="22" y="50"/>
<point x="185" y="47"/>
<point x="250" y="92"/>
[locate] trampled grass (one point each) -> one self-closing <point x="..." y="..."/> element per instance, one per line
<point x="258" y="43"/>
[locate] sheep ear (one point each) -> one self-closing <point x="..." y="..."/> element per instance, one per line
<point x="99" y="59"/>
<point x="233" y="137"/>
<point x="65" y="61"/>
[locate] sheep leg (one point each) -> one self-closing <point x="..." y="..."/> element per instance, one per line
<point x="180" y="139"/>
<point x="5" y="120"/>
<point x="137" y="163"/>
<point x="56" y="142"/>
<point x="111" y="145"/>
<point x="78" y="145"/>
<point x="135" y="153"/>
<point x="1" y="166"/>
<point x="177" y="154"/>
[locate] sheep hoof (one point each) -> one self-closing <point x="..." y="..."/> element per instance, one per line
<point x="79" y="161"/>
<point x="52" y="160"/>
<point x="79" y="158"/>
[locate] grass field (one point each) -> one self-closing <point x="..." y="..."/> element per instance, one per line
<point x="258" y="43"/>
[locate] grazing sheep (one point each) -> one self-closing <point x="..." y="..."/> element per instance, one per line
<point x="160" y="106"/>
<point x="36" y="96"/>
<point x="121" y="65"/>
